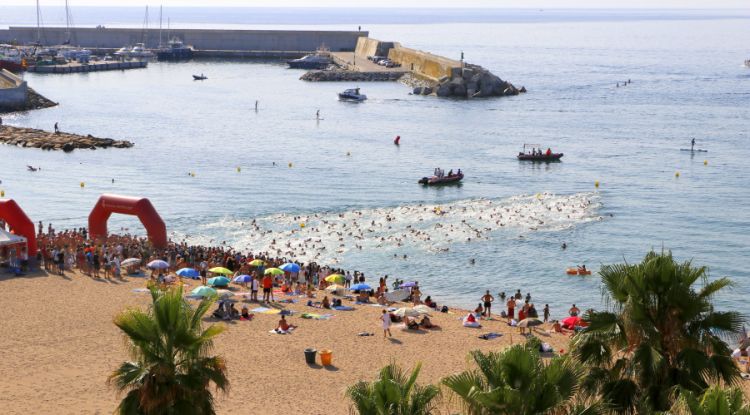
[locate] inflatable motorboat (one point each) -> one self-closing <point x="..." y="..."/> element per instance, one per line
<point x="435" y="180"/>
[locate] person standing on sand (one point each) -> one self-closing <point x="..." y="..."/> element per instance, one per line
<point x="57" y="130"/>
<point x="386" y="319"/>
<point x="511" y="308"/>
<point x="267" y="287"/>
<point x="546" y="312"/>
<point x="488" y="299"/>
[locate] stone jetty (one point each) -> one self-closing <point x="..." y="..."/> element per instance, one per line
<point x="45" y="140"/>
<point x="345" y="75"/>
<point x="472" y="81"/>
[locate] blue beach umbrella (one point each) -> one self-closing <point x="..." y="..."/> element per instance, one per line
<point x="158" y="264"/>
<point x="203" y="291"/>
<point x="188" y="273"/>
<point x="360" y="287"/>
<point x="242" y="279"/>
<point x="408" y="284"/>
<point x="290" y="267"/>
<point x="218" y="281"/>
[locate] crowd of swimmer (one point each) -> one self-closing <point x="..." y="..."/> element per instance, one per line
<point x="326" y="237"/>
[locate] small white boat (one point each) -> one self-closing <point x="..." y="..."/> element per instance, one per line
<point x="140" y="51"/>
<point x="352" y="95"/>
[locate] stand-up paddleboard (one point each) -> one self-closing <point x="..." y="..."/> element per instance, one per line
<point x="697" y="150"/>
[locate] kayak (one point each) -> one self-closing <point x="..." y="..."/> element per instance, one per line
<point x="434" y="180"/>
<point x="540" y="157"/>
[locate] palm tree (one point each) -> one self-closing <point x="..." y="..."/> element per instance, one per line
<point x="393" y="393"/>
<point x="657" y="335"/>
<point x="171" y="370"/>
<point x="518" y="382"/>
<point x="715" y="401"/>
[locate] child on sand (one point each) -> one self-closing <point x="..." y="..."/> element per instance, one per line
<point x="386" y="318"/>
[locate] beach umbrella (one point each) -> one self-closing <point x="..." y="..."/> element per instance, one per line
<point x="290" y="267"/>
<point x="336" y="278"/>
<point x="242" y="279"/>
<point x="571" y="322"/>
<point x="187" y="272"/>
<point x="423" y="309"/>
<point x="158" y="264"/>
<point x="257" y="263"/>
<point x="224" y="294"/>
<point x="130" y="262"/>
<point x="220" y="270"/>
<point x="218" y="281"/>
<point x="530" y="322"/>
<point x="408" y="284"/>
<point x="360" y="287"/>
<point x="407" y="312"/>
<point x="203" y="291"/>
<point x="273" y="271"/>
<point x="334" y="287"/>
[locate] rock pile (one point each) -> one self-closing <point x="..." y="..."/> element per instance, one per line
<point x="343" y="75"/>
<point x="30" y="137"/>
<point x="34" y="101"/>
<point x="474" y="81"/>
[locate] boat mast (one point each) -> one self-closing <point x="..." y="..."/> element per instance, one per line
<point x="67" y="24"/>
<point x="160" y="20"/>
<point x="38" y="24"/>
<point x="145" y="28"/>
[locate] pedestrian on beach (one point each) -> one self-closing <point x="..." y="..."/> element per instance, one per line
<point x="511" y="308"/>
<point x="254" y="288"/>
<point x="386" y="319"/>
<point x="574" y="311"/>
<point x="546" y="312"/>
<point x="57" y="130"/>
<point x="488" y="299"/>
<point x="267" y="287"/>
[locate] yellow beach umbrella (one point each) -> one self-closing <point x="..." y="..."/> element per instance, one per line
<point x="220" y="270"/>
<point x="336" y="278"/>
<point x="257" y="263"/>
<point x="273" y="271"/>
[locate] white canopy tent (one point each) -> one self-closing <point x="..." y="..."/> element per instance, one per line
<point x="8" y="239"/>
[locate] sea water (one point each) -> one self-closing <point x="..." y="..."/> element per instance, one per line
<point x="687" y="80"/>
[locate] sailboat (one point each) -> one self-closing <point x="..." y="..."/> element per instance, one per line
<point x="139" y="50"/>
<point x="174" y="50"/>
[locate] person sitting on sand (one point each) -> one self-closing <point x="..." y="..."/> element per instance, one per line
<point x="245" y="314"/>
<point x="382" y="300"/>
<point x="426" y="323"/>
<point x="233" y="313"/>
<point x="429" y="303"/>
<point x="411" y="323"/>
<point x="326" y="303"/>
<point x="471" y="321"/>
<point x="362" y="297"/>
<point x="284" y="326"/>
<point x="479" y="311"/>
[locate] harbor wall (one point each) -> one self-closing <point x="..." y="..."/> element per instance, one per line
<point x="236" y="40"/>
<point x="13" y="90"/>
<point x="425" y="64"/>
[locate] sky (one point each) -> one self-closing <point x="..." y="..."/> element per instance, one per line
<point x="617" y="4"/>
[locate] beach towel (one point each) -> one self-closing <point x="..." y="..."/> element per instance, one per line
<point x="140" y="290"/>
<point x="490" y="336"/>
<point x="313" y="316"/>
<point x="266" y="310"/>
<point x="343" y="308"/>
<point x="287" y="301"/>
<point x="279" y="331"/>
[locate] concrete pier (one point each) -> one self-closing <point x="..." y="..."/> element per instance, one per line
<point x="75" y="67"/>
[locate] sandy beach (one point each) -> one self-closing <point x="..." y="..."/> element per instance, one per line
<point x="61" y="345"/>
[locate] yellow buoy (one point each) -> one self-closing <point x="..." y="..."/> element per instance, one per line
<point x="301" y="225"/>
<point x="676" y="174"/>
<point x="596" y="184"/>
<point x="239" y="169"/>
<point x="538" y="195"/>
<point x="2" y="193"/>
<point x="83" y="185"/>
<point x="290" y="164"/>
<point x="705" y="162"/>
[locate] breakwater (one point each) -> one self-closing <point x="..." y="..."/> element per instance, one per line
<point x="350" y="76"/>
<point x="46" y="140"/>
<point x="200" y="39"/>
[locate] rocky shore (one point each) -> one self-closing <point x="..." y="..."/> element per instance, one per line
<point x="355" y="76"/>
<point x="474" y="82"/>
<point x="34" y="101"/>
<point x="45" y="140"/>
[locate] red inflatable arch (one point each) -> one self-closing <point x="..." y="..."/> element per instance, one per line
<point x="19" y="223"/>
<point x="141" y="207"/>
